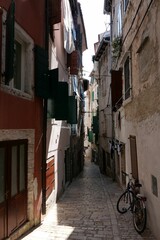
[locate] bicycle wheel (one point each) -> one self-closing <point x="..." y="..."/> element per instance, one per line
<point x="125" y="202"/>
<point x="139" y="216"/>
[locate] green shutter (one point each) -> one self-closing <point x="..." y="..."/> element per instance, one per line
<point x="72" y="110"/>
<point x="95" y="124"/>
<point x="90" y="136"/>
<point x="92" y="96"/>
<point x="42" y="88"/>
<point x="9" y="61"/>
<point x="61" y="101"/>
<point x="53" y="83"/>
<point x="50" y="108"/>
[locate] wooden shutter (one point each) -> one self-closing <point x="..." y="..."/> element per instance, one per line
<point x="41" y="73"/>
<point x="72" y="62"/>
<point x="133" y="150"/>
<point x="54" y="11"/>
<point x="9" y="68"/>
<point x="50" y="177"/>
<point x="90" y="136"/>
<point x="95" y="124"/>
<point x="116" y="89"/>
<point x="53" y="82"/>
<point x="72" y="110"/>
<point x="61" y="101"/>
<point x="127" y="78"/>
<point x="1" y="12"/>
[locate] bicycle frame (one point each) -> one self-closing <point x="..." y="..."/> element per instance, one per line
<point x="131" y="199"/>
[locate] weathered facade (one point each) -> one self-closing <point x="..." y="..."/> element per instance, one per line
<point x="135" y="59"/>
<point x="102" y="65"/>
<point x="39" y="86"/>
<point x="91" y="120"/>
<point x="21" y="139"/>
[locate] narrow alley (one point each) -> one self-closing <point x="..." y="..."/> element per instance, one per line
<point x="87" y="210"/>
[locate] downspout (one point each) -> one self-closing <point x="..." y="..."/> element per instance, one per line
<point x="45" y="101"/>
<point x="113" y="131"/>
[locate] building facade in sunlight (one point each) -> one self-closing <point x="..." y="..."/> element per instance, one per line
<point x="135" y="89"/>
<point x="102" y="74"/>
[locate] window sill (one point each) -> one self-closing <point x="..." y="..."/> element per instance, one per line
<point x="127" y="101"/>
<point x="16" y="92"/>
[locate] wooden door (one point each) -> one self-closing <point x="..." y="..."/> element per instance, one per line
<point x="2" y="194"/>
<point x="13" y="211"/>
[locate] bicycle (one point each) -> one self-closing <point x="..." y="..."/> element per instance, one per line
<point x="132" y="200"/>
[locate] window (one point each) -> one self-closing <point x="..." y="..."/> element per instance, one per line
<point x="125" y="4"/>
<point x="116" y="89"/>
<point x="23" y="62"/>
<point x="127" y="78"/>
<point x="18" y="65"/>
<point x="22" y="78"/>
<point x="119" y="15"/>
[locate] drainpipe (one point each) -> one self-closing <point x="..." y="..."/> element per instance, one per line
<point x="46" y="40"/>
<point x="113" y="131"/>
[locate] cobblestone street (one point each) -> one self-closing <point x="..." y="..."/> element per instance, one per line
<point x="87" y="211"/>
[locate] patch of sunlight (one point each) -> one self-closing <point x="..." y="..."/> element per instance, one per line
<point x="51" y="227"/>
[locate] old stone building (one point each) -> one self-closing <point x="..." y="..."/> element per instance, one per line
<point x="102" y="66"/>
<point x="135" y="56"/>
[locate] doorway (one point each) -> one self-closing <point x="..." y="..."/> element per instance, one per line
<point x="13" y="186"/>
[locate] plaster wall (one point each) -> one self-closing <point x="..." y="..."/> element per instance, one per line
<point x="105" y="108"/>
<point x="58" y="132"/>
<point x="58" y="140"/>
<point x="148" y="151"/>
<point x="140" y="114"/>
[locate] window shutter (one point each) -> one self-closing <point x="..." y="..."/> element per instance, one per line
<point x="72" y="62"/>
<point x="41" y="73"/>
<point x="72" y="110"/>
<point x="125" y="4"/>
<point x="1" y="12"/>
<point x="127" y="78"/>
<point x="107" y="6"/>
<point x="90" y="136"/>
<point x="54" y="11"/>
<point x="79" y="38"/>
<point x="92" y="96"/>
<point x="116" y="89"/>
<point x="9" y="68"/>
<point x="95" y="124"/>
<point x="53" y="83"/>
<point x="61" y="101"/>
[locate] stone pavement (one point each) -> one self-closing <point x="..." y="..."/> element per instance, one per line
<point x="87" y="211"/>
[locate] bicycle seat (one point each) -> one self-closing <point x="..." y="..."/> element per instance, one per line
<point x="138" y="185"/>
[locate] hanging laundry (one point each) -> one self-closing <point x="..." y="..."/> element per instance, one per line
<point x="74" y="80"/>
<point x="69" y="30"/>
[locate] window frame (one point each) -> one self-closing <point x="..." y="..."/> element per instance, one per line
<point x="27" y="62"/>
<point x="127" y="82"/>
<point x="27" y="90"/>
<point x="125" y="4"/>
